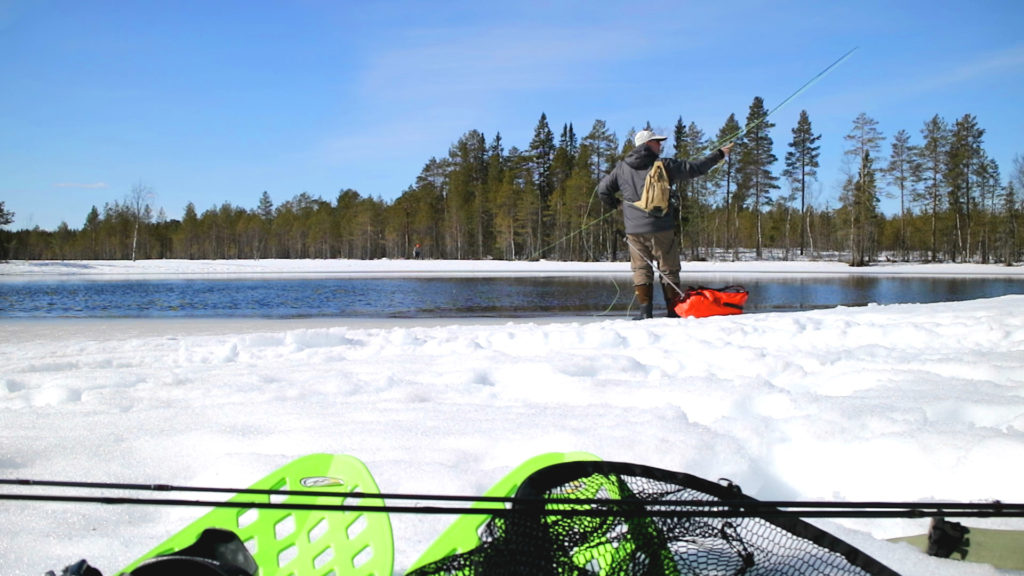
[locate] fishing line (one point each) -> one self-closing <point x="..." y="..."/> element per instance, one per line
<point x="740" y="133"/>
<point x="717" y="144"/>
<point x="788" y="99"/>
<point x="618" y="292"/>
<point x="653" y="265"/>
<point x="582" y="229"/>
<point x="571" y="234"/>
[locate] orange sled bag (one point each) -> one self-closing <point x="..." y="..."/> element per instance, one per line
<point x="701" y="302"/>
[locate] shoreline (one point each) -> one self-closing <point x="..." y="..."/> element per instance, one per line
<point x="21" y="270"/>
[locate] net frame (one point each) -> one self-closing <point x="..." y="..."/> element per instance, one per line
<point x="601" y="518"/>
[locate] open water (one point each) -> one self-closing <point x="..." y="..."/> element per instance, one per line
<point x="454" y="297"/>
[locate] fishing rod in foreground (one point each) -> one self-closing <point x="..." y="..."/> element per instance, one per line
<point x="596" y="507"/>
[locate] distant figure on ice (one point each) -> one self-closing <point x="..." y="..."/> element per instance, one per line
<point x="651" y="212"/>
<point x="416" y="252"/>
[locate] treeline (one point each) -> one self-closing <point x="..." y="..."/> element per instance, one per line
<point x="482" y="200"/>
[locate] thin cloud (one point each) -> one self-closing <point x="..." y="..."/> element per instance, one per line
<point x="83" y="185"/>
<point x="923" y="88"/>
<point x="469" y="65"/>
<point x="1007" y="61"/>
<point x="932" y="80"/>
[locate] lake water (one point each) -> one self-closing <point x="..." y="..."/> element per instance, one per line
<point x="515" y="297"/>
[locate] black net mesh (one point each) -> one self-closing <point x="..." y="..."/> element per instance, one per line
<point x="596" y="518"/>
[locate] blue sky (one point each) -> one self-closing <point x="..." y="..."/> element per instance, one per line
<point x="217" y="101"/>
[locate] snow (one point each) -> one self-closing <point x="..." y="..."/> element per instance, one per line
<point x="896" y="403"/>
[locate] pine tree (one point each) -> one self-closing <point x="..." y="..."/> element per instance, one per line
<point x="569" y="142"/>
<point x="689" y="143"/>
<point x="601" y="149"/>
<point x="1009" y="230"/>
<point x="432" y="185"/>
<point x="523" y="224"/>
<point x="564" y="157"/>
<point x="1017" y="175"/>
<point x="579" y="189"/>
<point x="965" y="162"/>
<point x="864" y="138"/>
<point x="467" y="177"/>
<point x="6" y="218"/>
<point x="929" y="169"/>
<point x="424" y="210"/>
<point x="496" y="167"/>
<point x="989" y="185"/>
<point x="1011" y="206"/>
<point x="756" y="179"/>
<point x="265" y="208"/>
<point x="602" y="145"/>
<point x="507" y="205"/>
<point x="899" y="172"/>
<point x="91" y="230"/>
<point x="563" y="209"/>
<point x="725" y="179"/>
<point x="190" y="231"/>
<point x="348" y="223"/>
<point x="801" y="165"/>
<point x="260" y="228"/>
<point x="542" y="153"/>
<point x="862" y="200"/>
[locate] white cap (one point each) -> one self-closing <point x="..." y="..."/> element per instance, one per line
<point x="644" y="136"/>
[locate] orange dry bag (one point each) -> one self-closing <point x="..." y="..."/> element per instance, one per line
<point x="701" y="302"/>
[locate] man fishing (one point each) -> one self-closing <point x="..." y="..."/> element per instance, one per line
<point x="650" y="213"/>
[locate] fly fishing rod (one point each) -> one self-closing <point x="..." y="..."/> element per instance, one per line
<point x="293" y="500"/>
<point x="787" y="100"/>
<point x="585" y="508"/>
<point x="730" y="138"/>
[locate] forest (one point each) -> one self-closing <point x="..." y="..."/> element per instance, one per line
<point x="483" y="201"/>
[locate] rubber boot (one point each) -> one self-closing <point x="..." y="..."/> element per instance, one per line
<point x="671" y="299"/>
<point x="645" y="297"/>
<point x="945" y="538"/>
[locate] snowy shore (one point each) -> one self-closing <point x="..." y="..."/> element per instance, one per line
<point x="22" y="270"/>
<point x="903" y="402"/>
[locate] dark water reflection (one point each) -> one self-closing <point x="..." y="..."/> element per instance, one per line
<point x="454" y="297"/>
<point x="812" y="292"/>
